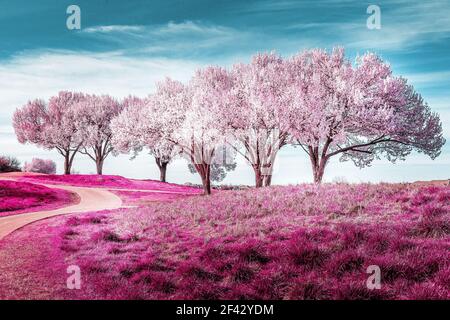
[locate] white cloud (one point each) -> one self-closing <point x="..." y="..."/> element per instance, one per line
<point x="193" y="27"/>
<point x="429" y="78"/>
<point x="188" y="37"/>
<point x="171" y="27"/>
<point x="29" y="77"/>
<point x="113" y="28"/>
<point x="404" y="24"/>
<point x="408" y="24"/>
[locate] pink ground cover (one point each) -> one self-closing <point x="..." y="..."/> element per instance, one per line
<point x="108" y="181"/>
<point x="138" y="198"/>
<point x="296" y="242"/>
<point x="21" y="197"/>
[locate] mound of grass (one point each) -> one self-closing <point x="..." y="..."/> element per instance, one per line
<point x="21" y="197"/>
<point x="110" y="181"/>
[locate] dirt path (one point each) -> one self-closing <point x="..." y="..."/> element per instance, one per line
<point x="91" y="199"/>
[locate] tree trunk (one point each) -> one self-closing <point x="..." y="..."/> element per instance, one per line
<point x="317" y="163"/>
<point x="162" y="171"/>
<point x="258" y="176"/>
<point x="318" y="171"/>
<point x="162" y="166"/>
<point x="268" y="174"/>
<point x="206" y="186"/>
<point x="99" y="165"/>
<point x="207" y="183"/>
<point x="267" y="180"/>
<point x="67" y="166"/>
<point x="204" y="170"/>
<point x="260" y="179"/>
<point x="68" y="158"/>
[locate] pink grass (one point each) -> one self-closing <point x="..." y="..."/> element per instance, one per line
<point x="22" y="197"/>
<point x="297" y="242"/>
<point x="138" y="198"/>
<point x="108" y="181"/>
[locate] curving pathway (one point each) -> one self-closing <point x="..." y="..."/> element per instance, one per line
<point x="91" y="199"/>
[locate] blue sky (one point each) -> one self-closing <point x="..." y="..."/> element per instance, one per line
<point x="125" y="46"/>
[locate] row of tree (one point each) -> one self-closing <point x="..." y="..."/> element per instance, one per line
<point x="316" y="100"/>
<point x="70" y="123"/>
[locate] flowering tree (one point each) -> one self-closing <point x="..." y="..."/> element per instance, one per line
<point x="189" y="117"/>
<point x="51" y="126"/>
<point x="93" y="117"/>
<point x="133" y="132"/>
<point x="360" y="112"/>
<point x="256" y="114"/>
<point x="40" y="166"/>
<point x="204" y="132"/>
<point x="127" y="135"/>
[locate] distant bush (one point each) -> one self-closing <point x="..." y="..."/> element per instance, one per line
<point x="9" y="164"/>
<point x="40" y="166"/>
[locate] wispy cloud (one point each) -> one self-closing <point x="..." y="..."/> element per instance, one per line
<point x="42" y="75"/>
<point x="407" y="25"/>
<point x="192" y="27"/>
<point x="182" y="28"/>
<point x="183" y="39"/>
<point x="113" y="28"/>
<point x="429" y="78"/>
<point x="404" y="24"/>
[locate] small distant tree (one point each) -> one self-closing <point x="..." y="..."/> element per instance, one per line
<point x="9" y="164"/>
<point x="40" y="166"/>
<point x="51" y="125"/>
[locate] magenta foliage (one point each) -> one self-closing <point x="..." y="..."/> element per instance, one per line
<point x="296" y="242"/>
<point x="21" y="197"/>
<point x="143" y="198"/>
<point x="108" y="181"/>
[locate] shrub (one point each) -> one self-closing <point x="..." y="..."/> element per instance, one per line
<point x="9" y="164"/>
<point x="40" y="166"/>
<point x="21" y="197"/>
